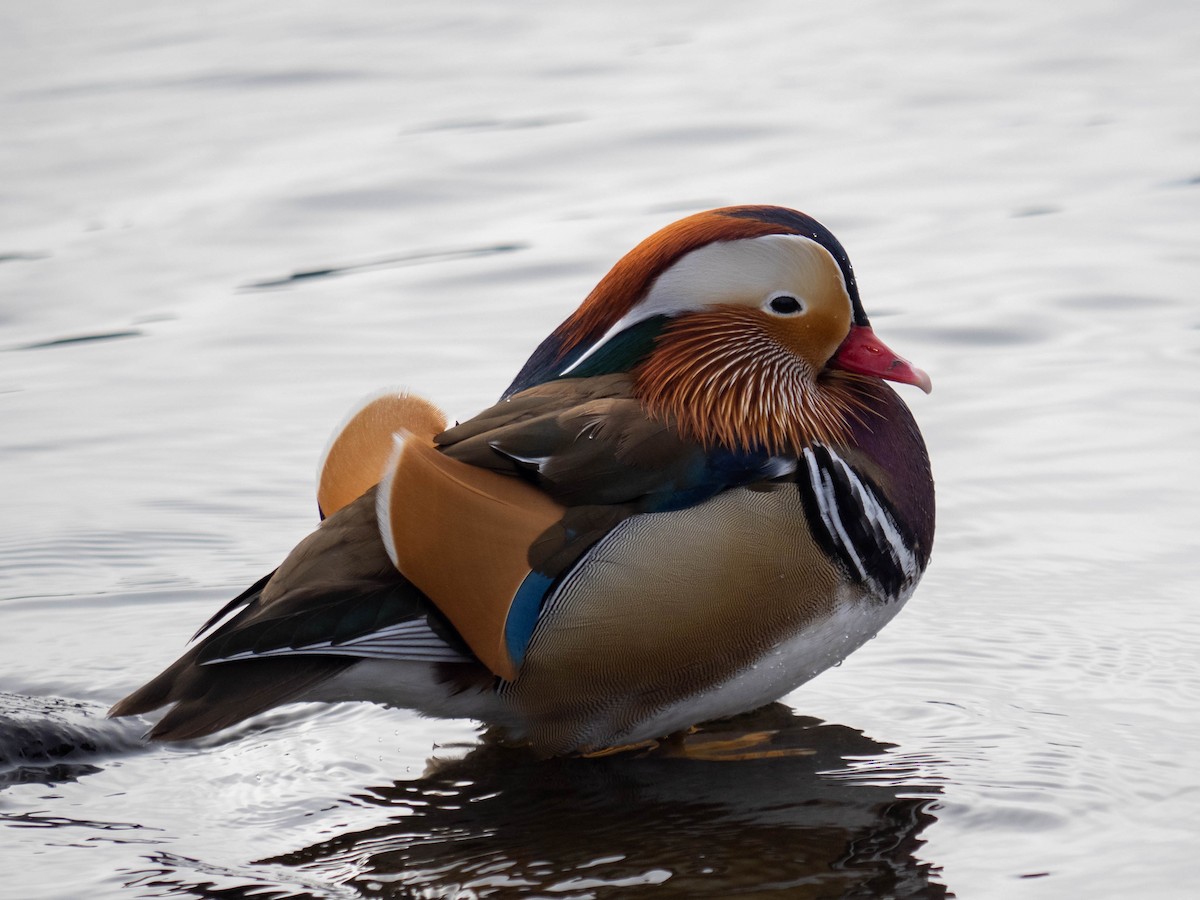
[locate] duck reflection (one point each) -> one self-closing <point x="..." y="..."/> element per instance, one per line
<point x="778" y="815"/>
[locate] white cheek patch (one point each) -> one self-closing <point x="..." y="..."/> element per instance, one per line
<point x="746" y="272"/>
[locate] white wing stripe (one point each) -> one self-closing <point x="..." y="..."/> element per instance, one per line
<point x="413" y="640"/>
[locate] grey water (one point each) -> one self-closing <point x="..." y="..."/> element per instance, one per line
<point x="223" y="224"/>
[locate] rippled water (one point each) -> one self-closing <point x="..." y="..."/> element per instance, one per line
<point x="220" y="226"/>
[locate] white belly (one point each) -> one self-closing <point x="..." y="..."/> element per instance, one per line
<point x="855" y="621"/>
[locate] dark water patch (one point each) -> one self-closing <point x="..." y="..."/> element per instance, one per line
<point x="48" y="774"/>
<point x="1112" y="302"/>
<point x="1025" y="212"/>
<point x="490" y="124"/>
<point x="80" y="339"/>
<point x="153" y="318"/>
<point x="22" y="257"/>
<point x="692" y="136"/>
<point x="984" y="336"/>
<point x="287" y="78"/>
<point x="40" y="820"/>
<point x="48" y="740"/>
<point x="696" y="818"/>
<point x="406" y="259"/>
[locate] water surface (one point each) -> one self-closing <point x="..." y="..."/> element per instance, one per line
<point x="220" y="227"/>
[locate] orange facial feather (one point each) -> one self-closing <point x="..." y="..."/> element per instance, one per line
<point x="724" y="380"/>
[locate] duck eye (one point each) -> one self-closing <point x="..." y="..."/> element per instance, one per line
<point x="786" y="305"/>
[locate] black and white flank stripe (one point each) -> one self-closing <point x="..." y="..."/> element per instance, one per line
<point x="855" y="525"/>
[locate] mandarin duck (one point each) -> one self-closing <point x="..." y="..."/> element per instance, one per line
<point x="697" y="494"/>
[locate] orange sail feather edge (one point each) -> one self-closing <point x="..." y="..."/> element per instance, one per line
<point x="462" y="535"/>
<point x="359" y="450"/>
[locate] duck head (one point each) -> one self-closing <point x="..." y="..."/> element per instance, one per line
<point x="742" y="325"/>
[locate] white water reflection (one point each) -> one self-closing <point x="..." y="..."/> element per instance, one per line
<point x="1017" y="186"/>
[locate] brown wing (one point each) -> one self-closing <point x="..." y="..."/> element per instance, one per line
<point x="584" y="441"/>
<point x="343" y="558"/>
